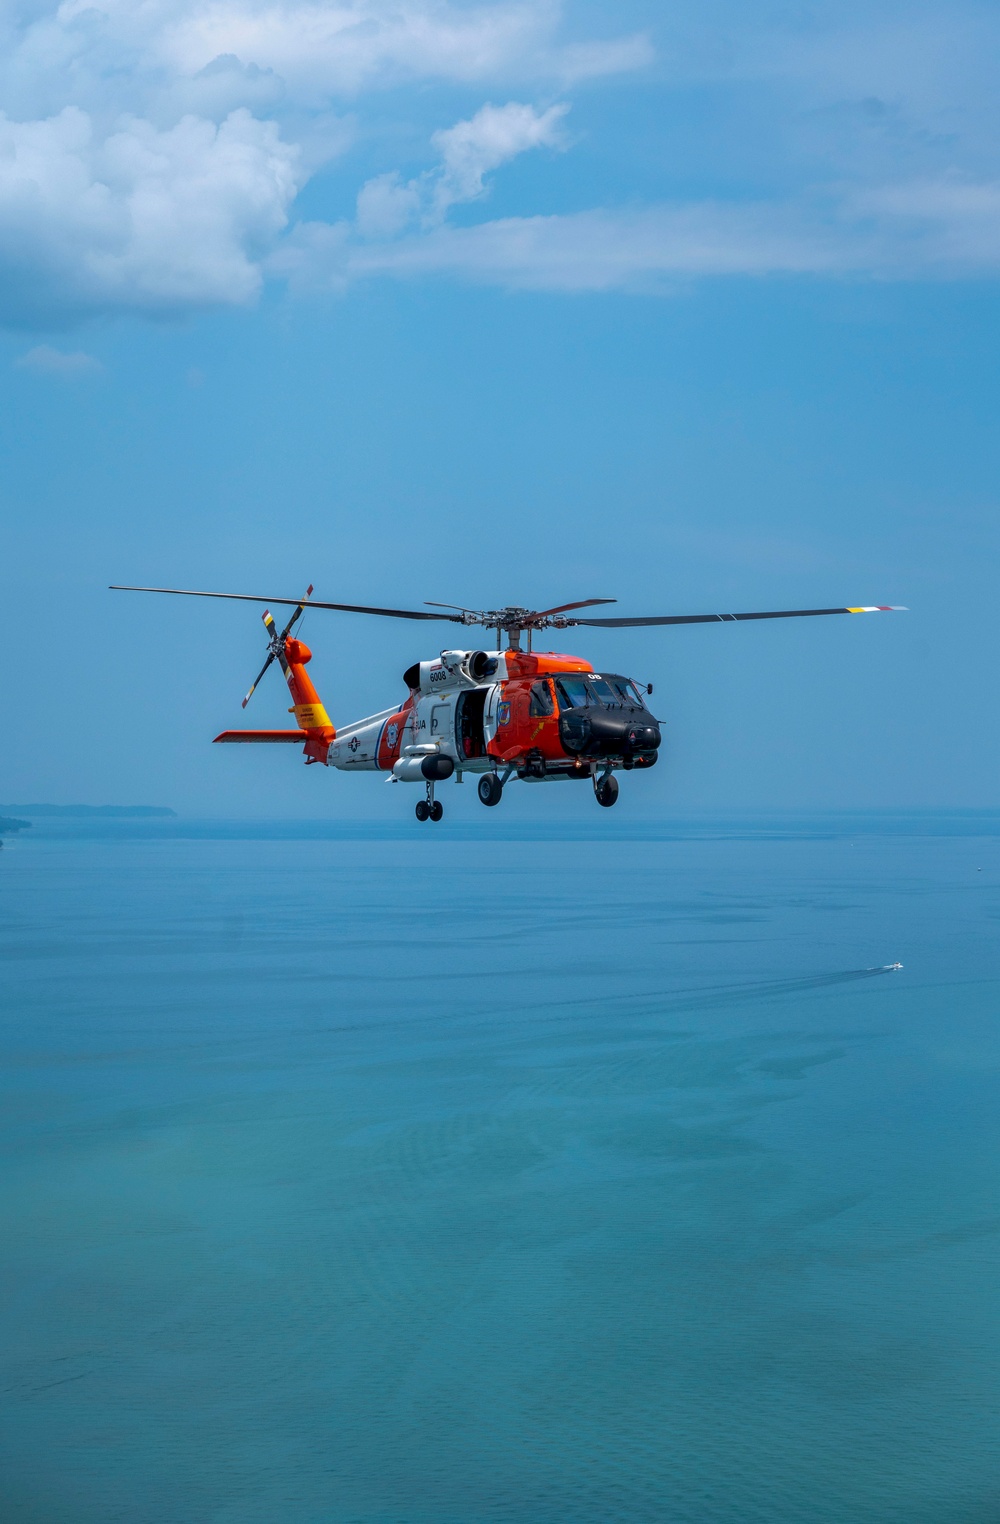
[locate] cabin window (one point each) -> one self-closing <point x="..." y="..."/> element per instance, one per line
<point x="573" y="692"/>
<point x="541" y="699"/>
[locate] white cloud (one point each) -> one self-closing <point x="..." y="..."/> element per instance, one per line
<point x="140" y="218"/>
<point x="251" y="52"/>
<point x="469" y="151"/>
<point x="937" y="230"/>
<point x="495" y="135"/>
<point x="324" y="49"/>
<point x="646" y="249"/>
<point x="45" y="361"/>
<point x="152" y="150"/>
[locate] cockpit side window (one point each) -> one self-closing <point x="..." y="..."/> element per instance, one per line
<point x="541" y="699"/>
<point x="573" y="692"/>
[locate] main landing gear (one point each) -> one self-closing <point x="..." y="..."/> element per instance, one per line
<point x="429" y="808"/>
<point x="490" y="789"/>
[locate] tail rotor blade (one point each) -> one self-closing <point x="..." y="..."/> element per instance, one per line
<point x="260" y="674"/>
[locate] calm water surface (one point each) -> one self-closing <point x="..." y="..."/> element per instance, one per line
<point x="455" y="1176"/>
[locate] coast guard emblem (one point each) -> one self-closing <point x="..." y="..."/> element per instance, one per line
<point x="392" y="735"/>
<point x="503" y="713"/>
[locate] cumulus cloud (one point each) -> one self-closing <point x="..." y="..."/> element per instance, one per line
<point x="43" y="360"/>
<point x="141" y="218"/>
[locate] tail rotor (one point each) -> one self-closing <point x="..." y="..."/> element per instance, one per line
<point x="276" y="642"/>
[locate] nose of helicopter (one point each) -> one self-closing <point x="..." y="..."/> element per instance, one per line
<point x="607" y="733"/>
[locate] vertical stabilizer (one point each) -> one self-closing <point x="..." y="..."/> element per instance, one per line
<point x="307" y="706"/>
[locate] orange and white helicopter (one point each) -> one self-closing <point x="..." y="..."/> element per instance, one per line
<point x="499" y="714"/>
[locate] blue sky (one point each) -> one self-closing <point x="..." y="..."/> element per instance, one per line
<point x="694" y="308"/>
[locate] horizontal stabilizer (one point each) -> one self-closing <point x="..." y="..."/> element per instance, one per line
<point x="263" y="735"/>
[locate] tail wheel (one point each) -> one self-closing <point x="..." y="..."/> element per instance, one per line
<point x="490" y="789"/>
<point x="422" y="810"/>
<point x="436" y="810"/>
<point x="607" y="792"/>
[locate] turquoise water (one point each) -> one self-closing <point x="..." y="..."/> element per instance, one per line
<point x="501" y="1174"/>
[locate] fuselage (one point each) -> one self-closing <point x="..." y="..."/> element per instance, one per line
<point x="540" y="714"/>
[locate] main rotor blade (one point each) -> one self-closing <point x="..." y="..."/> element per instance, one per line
<point x="260" y="674"/>
<point x="618" y="624"/>
<point x="344" y="608"/>
<point x="584" y="603"/>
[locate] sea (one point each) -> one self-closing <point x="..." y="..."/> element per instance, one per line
<point x="496" y="1172"/>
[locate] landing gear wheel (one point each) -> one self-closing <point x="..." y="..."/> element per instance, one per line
<point x="490" y="789"/>
<point x="422" y="810"/>
<point x="436" y="810"/>
<point x="606" y="792"/>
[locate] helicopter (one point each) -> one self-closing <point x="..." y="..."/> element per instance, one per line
<point x="497" y="714"/>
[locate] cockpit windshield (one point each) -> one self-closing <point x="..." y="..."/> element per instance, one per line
<point x="625" y="691"/>
<point x="604" y="691"/>
<point x="573" y="692"/>
<point x="597" y="688"/>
